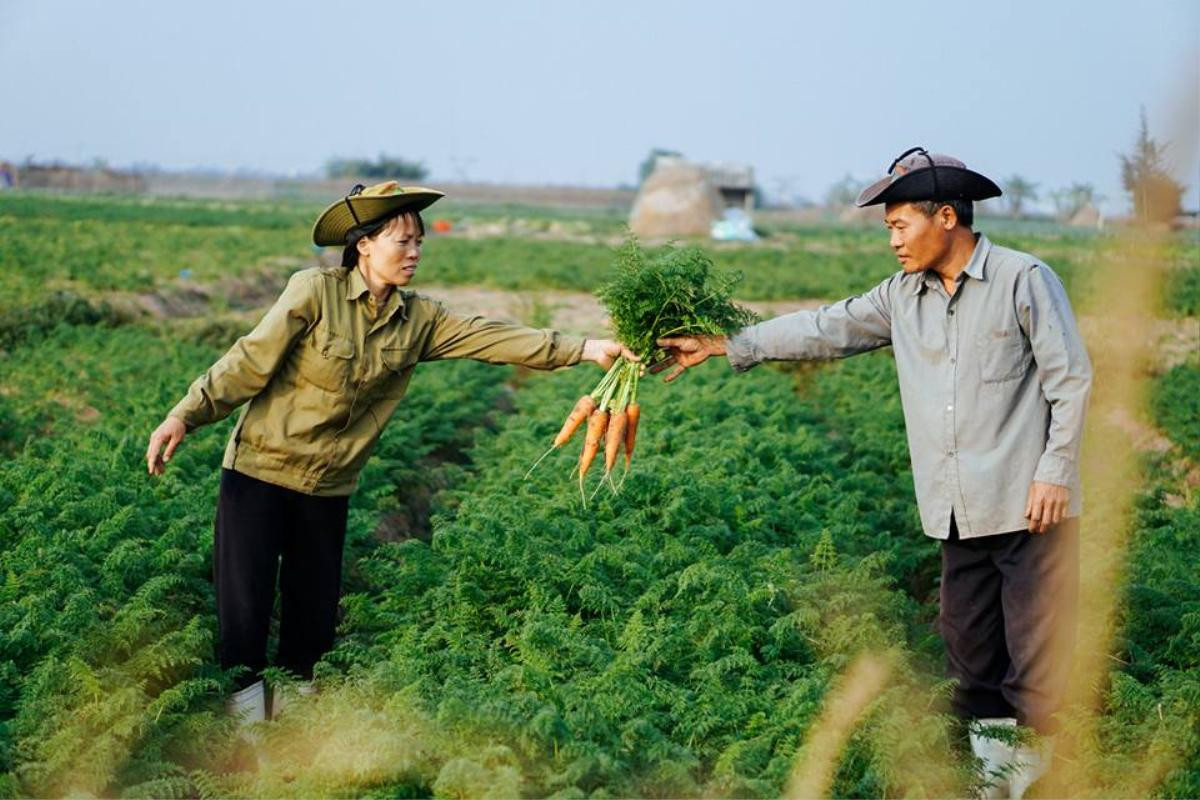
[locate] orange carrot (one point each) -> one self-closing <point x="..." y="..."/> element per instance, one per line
<point x="597" y="424"/>
<point x="614" y="439"/>
<point x="634" y="412"/>
<point x="584" y="406"/>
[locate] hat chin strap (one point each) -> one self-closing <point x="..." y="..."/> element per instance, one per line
<point x="358" y="188"/>
<point x="932" y="167"/>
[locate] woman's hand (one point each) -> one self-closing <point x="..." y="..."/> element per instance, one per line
<point x="606" y="351"/>
<point x="169" y="433"/>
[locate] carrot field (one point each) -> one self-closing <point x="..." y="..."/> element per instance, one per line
<point x="684" y="637"/>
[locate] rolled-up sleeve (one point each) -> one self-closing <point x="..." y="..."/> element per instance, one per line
<point x="1063" y="368"/>
<point x="457" y="336"/>
<point x="247" y="367"/>
<point x="854" y="325"/>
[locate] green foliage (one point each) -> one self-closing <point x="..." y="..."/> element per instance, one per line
<point x="1017" y="192"/>
<point x="844" y="192"/>
<point x="1070" y="200"/>
<point x="678" y="624"/>
<point x="383" y="168"/>
<point x="59" y="250"/>
<point x="1182" y="286"/>
<point x="107" y="677"/>
<point x="28" y="321"/>
<point x="1176" y="402"/>
<point x="819" y="262"/>
<point x="1152" y="708"/>
<point x="675" y="293"/>
<point x="678" y="639"/>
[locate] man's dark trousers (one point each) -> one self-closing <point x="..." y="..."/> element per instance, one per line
<point x="1009" y="606"/>
<point x="264" y="531"/>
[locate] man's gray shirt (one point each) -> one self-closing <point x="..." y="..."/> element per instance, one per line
<point x="994" y="380"/>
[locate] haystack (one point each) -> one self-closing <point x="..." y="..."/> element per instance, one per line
<point x="1087" y="217"/>
<point x="675" y="200"/>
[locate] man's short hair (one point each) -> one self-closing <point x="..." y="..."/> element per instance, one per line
<point x="965" y="209"/>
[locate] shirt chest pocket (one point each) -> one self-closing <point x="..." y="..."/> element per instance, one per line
<point x="326" y="361"/>
<point x="398" y="359"/>
<point x="1004" y="355"/>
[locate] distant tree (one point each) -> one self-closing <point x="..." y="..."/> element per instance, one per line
<point x="647" y="165"/>
<point x="1019" y="192"/>
<point x="1070" y="200"/>
<point x="1156" y="195"/>
<point x="844" y="192"/>
<point x="384" y="168"/>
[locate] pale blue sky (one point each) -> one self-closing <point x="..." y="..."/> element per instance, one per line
<point x="579" y="92"/>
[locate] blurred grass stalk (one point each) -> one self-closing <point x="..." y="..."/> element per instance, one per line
<point x="1126" y="287"/>
<point x="816" y="762"/>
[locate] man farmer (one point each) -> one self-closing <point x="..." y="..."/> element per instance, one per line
<point x="994" y="380"/>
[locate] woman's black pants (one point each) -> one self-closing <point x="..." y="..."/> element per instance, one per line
<point x="264" y="531"/>
<point x="1008" y="616"/>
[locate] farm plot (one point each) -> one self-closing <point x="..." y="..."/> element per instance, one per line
<point x="681" y="638"/>
<point x="106" y="612"/>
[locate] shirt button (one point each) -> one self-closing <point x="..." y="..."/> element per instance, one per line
<point x="949" y="452"/>
<point x="953" y="360"/>
<point x="951" y="312"/>
<point x="949" y="408"/>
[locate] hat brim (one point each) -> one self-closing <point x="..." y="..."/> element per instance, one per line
<point x="953" y="183"/>
<point x="336" y="221"/>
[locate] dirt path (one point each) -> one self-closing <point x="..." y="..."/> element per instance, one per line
<point x="574" y="312"/>
<point x="246" y="296"/>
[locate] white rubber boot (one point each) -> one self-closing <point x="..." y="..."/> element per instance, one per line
<point x="1029" y="764"/>
<point x="282" y="698"/>
<point x="248" y="705"/>
<point x="997" y="756"/>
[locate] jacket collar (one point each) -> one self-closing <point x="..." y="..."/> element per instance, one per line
<point x="976" y="267"/>
<point x="357" y="289"/>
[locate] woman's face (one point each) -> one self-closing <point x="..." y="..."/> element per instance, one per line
<point x="391" y="255"/>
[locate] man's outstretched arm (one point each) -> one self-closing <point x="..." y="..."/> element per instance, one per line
<point x="854" y="325"/>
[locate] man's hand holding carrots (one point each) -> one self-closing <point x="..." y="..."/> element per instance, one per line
<point x="687" y="351"/>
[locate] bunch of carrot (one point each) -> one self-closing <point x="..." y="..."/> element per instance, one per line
<point x="612" y="413"/>
<point x="675" y="292"/>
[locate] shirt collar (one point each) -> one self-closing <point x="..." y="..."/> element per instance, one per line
<point x="975" y="267"/>
<point x="357" y="288"/>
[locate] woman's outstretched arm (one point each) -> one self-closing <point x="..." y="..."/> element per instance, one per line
<point x="241" y="373"/>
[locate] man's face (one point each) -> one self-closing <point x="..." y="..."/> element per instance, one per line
<point x="919" y="241"/>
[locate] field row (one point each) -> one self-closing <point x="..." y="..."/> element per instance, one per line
<point x="680" y="638"/>
<point x="79" y="259"/>
<point x="677" y="638"/>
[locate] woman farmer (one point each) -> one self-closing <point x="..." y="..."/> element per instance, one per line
<point x="319" y="376"/>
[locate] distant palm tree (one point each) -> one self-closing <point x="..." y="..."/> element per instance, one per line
<point x="1070" y="200"/>
<point x="843" y="193"/>
<point x="1019" y="191"/>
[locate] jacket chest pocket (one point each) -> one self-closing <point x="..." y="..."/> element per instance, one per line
<point x="1004" y="355"/>
<point x="398" y="359"/>
<point x="326" y="362"/>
